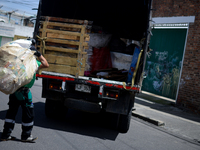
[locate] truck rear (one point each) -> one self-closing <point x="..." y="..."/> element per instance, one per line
<point x="96" y="52"/>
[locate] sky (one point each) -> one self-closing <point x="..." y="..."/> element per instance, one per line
<point x="22" y="6"/>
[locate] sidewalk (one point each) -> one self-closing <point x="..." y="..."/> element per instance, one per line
<point x="162" y="112"/>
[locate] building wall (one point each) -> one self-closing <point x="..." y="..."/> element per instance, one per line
<point x="189" y="87"/>
<point x="19" y="30"/>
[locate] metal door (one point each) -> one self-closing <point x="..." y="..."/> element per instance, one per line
<point x="164" y="65"/>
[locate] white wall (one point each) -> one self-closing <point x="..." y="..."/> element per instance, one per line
<point x="20" y="30"/>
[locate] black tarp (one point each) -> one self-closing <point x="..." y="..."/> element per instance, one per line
<point x="124" y="18"/>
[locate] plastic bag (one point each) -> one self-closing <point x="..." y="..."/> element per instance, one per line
<point x="17" y="66"/>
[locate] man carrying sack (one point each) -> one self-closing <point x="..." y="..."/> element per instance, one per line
<point x="23" y="97"/>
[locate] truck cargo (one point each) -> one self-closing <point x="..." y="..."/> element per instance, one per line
<point x="96" y="52"/>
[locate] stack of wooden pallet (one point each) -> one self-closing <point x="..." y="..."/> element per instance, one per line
<point x="63" y="43"/>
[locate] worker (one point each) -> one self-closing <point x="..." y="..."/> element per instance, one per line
<point x="23" y="97"/>
<point x="33" y="45"/>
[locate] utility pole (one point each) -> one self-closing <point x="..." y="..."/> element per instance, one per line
<point x="10" y="13"/>
<point x="23" y="19"/>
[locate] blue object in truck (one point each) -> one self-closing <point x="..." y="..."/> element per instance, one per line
<point x="133" y="64"/>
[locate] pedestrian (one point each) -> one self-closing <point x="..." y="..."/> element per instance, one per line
<point x="23" y="97"/>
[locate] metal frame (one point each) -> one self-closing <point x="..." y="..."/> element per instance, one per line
<point x="182" y="63"/>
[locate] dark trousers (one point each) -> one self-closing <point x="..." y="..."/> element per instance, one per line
<point x="27" y="115"/>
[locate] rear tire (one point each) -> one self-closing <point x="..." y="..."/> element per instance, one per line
<point x="124" y="122"/>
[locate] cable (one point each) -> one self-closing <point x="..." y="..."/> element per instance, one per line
<point x="22" y="2"/>
<point x="7" y="9"/>
<point x="29" y="4"/>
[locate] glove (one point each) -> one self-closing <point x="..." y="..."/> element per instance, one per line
<point x="37" y="53"/>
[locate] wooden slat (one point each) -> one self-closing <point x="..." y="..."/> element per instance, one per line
<point x="62" y="36"/>
<point x="81" y="47"/>
<point x="48" y="18"/>
<point x="66" y="50"/>
<point x="65" y="42"/>
<point x="77" y="30"/>
<point x="82" y="39"/>
<point x="64" y="32"/>
<point x="43" y="35"/>
<point x="65" y="36"/>
<point x="64" y="25"/>
<point x="64" y="69"/>
<point x="61" y="60"/>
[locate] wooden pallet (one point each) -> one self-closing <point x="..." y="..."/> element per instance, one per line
<point x="65" y="43"/>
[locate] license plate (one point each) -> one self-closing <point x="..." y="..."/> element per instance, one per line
<point x="83" y="88"/>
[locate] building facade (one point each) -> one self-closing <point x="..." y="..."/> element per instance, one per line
<point x="9" y="31"/>
<point x="188" y="89"/>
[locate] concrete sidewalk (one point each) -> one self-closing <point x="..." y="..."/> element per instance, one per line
<point x="162" y="112"/>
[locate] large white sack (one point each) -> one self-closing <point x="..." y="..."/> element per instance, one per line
<point x="17" y="65"/>
<point x="99" y="40"/>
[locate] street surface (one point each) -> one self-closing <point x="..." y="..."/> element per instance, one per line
<point x="85" y="131"/>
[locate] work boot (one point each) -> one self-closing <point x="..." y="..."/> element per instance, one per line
<point x="7" y="138"/>
<point x="29" y="139"/>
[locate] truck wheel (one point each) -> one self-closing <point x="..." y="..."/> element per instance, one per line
<point x="55" y="109"/>
<point x="124" y="122"/>
<point x="111" y="119"/>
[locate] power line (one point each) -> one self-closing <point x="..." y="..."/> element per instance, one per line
<point x="29" y="4"/>
<point x="6" y="8"/>
<point x="18" y="10"/>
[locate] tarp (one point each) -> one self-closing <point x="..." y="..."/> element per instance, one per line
<point x="126" y="19"/>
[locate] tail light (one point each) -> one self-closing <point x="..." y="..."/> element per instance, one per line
<point x="112" y="94"/>
<point x="55" y="85"/>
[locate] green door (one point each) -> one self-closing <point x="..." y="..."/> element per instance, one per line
<point x="164" y="65"/>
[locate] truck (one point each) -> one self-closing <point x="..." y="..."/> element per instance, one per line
<point x="117" y="34"/>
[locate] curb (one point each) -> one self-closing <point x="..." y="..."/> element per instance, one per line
<point x="150" y="120"/>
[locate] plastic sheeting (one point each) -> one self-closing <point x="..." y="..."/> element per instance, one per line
<point x="17" y="65"/>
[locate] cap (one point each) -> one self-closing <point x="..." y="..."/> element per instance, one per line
<point x="33" y="41"/>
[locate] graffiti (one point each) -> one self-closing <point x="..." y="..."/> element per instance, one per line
<point x="164" y="75"/>
<point x="161" y="55"/>
<point x="157" y="85"/>
<point x="175" y="80"/>
<point x="166" y="84"/>
<point x="187" y="77"/>
<point x="163" y="65"/>
<point x="182" y="82"/>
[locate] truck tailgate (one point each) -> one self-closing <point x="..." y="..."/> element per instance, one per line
<point x="87" y="80"/>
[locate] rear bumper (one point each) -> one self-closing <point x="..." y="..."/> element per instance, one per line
<point x="82" y="105"/>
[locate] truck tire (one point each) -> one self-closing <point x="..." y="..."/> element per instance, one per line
<point x="111" y="119"/>
<point x="124" y="122"/>
<point x="55" y="109"/>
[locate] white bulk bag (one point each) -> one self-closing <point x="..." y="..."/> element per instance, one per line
<point x="17" y="65"/>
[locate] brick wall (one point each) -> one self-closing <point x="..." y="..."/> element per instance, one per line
<point x="189" y="90"/>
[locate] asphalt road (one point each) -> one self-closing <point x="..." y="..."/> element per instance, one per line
<point x="85" y="131"/>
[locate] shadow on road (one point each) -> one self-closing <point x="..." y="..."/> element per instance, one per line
<point x="95" y="125"/>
